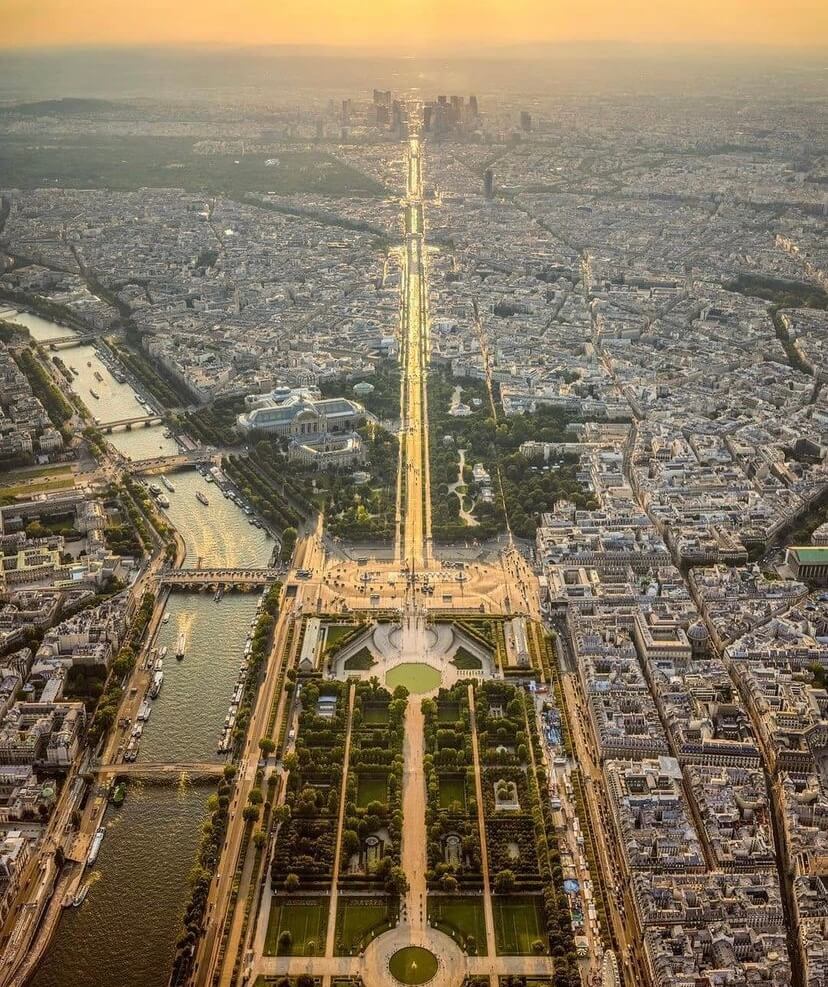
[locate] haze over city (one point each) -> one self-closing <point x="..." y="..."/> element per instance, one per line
<point x="413" y="494"/>
<point x="412" y="25"/>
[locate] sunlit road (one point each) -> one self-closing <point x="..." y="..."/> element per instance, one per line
<point x="415" y="512"/>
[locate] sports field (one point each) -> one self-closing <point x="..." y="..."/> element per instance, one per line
<point x="462" y="918"/>
<point x="519" y="922"/>
<point x="305" y="919"/>
<point x="361" y="919"/>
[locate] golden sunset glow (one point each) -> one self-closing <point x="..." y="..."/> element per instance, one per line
<point x="410" y="24"/>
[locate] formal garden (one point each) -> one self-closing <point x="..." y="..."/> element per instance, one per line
<point x="372" y="827"/>
<point x="453" y="851"/>
<point x="303" y="857"/>
<point x="273" y="491"/>
<point x="530" y="908"/>
<point x="462" y="917"/>
<point x="297" y="926"/>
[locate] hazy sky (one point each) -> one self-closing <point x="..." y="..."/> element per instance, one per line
<point x="411" y="23"/>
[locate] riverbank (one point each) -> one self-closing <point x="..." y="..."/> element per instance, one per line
<point x="137" y="887"/>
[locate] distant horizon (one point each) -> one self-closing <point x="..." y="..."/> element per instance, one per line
<point x="414" y="26"/>
<point x="471" y="50"/>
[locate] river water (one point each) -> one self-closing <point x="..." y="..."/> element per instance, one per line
<point x="115" y="401"/>
<point x="124" y="934"/>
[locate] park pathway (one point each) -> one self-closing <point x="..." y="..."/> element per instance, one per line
<point x="330" y="939"/>
<point x="413" y="803"/>
<point x="484" y="852"/>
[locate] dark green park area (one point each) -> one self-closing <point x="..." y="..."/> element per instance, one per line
<point x="452" y="789"/>
<point x="371" y="787"/>
<point x="462" y="918"/>
<point x="125" y="163"/>
<point x="361" y="919"/>
<point x="519" y="925"/>
<point x="297" y="927"/>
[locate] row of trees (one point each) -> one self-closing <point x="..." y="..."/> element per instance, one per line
<point x="257" y="663"/>
<point x="57" y="407"/>
<point x="556" y="904"/>
<point x="272" y="496"/>
<point x="447" y="733"/>
<point x="110" y="701"/>
<point x="213" y="831"/>
<point x="377" y="746"/>
<point x="215" y="424"/>
<point x="160" y="383"/>
<point x="304" y="850"/>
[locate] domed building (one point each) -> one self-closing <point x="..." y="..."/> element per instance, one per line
<point x="699" y="638"/>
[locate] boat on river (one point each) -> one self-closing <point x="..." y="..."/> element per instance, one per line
<point x="95" y="847"/>
<point x="163" y="500"/>
<point x="165" y="619"/>
<point x="80" y="897"/>
<point x="94" y="394"/>
<point x="157" y="682"/>
<point x="163" y="652"/>
<point x="98" y="377"/>
<point x="144" y="711"/>
<point x="167" y="484"/>
<point x="201" y="498"/>
<point x="180" y="646"/>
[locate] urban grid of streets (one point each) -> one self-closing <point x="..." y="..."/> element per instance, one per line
<point x="323" y="580"/>
<point x="494" y="587"/>
<point x="507" y="586"/>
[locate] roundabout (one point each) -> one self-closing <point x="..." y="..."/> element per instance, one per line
<point x="413" y="955"/>
<point x="413" y="965"/>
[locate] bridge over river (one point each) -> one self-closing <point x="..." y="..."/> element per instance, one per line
<point x="162" y="771"/>
<point x="220" y="577"/>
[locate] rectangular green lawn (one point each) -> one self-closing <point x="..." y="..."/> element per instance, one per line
<point x="460" y="916"/>
<point x="448" y="712"/>
<point x="452" y="789"/>
<point x="371" y="788"/>
<point x="357" y="918"/>
<point x="374" y="715"/>
<point x="307" y="921"/>
<point x="518" y="922"/>
<point x="335" y="633"/>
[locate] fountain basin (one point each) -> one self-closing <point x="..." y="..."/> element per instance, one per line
<point x="413" y="965"/>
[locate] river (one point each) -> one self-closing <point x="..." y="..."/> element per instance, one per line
<point x="115" y="401"/>
<point x="125" y="932"/>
